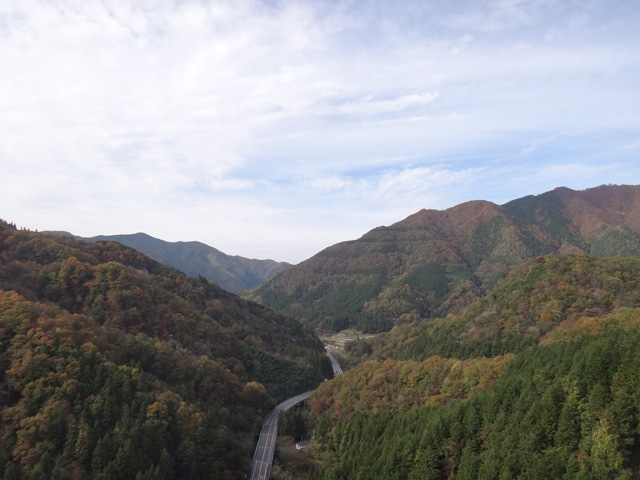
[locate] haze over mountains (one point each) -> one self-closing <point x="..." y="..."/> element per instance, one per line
<point x="438" y="262"/>
<point x="233" y="273"/>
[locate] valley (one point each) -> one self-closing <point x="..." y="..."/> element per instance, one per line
<point x="116" y="366"/>
<point x="265" y="449"/>
<point x="319" y="240"/>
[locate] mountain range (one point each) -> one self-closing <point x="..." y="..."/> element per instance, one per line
<point x="514" y="352"/>
<point x="233" y="273"/>
<point x="434" y="263"/>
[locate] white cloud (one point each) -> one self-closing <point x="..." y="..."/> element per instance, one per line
<point x="324" y="182"/>
<point x="369" y="106"/>
<point x="199" y="113"/>
<point x="420" y="182"/>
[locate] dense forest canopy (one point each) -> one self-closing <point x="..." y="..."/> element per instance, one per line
<point x="534" y="299"/>
<point x="114" y="366"/>
<point x="568" y="410"/>
<point x="539" y="379"/>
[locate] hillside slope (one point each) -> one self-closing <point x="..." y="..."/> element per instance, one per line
<point x="437" y="262"/>
<point x="115" y="366"/>
<point x="534" y="300"/>
<point x="233" y="273"/>
<point x="567" y="410"/>
<point x="539" y="379"/>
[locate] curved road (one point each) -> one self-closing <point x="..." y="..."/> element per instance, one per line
<point x="263" y="456"/>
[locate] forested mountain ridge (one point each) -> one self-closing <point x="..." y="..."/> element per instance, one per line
<point x="530" y="303"/>
<point x="438" y="262"/>
<point x="232" y="272"/>
<point x="548" y="385"/>
<point x="115" y="366"/>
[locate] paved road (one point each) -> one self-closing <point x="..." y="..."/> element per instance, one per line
<point x="263" y="456"/>
<point x="337" y="370"/>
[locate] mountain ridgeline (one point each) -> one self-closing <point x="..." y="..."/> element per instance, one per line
<point x="438" y="262"/>
<point x="115" y="366"/>
<point x="233" y="273"/>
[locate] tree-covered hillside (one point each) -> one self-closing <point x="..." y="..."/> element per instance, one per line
<point x="567" y="410"/>
<point x="438" y="262"/>
<point x="533" y="300"/>
<point x="231" y="272"/>
<point x="539" y="380"/>
<point x="114" y="366"/>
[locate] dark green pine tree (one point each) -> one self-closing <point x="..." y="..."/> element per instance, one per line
<point x="164" y="469"/>
<point x="568" y="432"/>
<point x="12" y="471"/>
<point x="103" y="453"/>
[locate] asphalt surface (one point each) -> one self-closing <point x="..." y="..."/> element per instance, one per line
<point x="337" y="370"/>
<point x="263" y="456"/>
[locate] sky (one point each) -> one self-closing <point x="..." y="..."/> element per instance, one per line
<point x="273" y="129"/>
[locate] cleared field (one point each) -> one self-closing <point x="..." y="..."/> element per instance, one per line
<point x="338" y="340"/>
